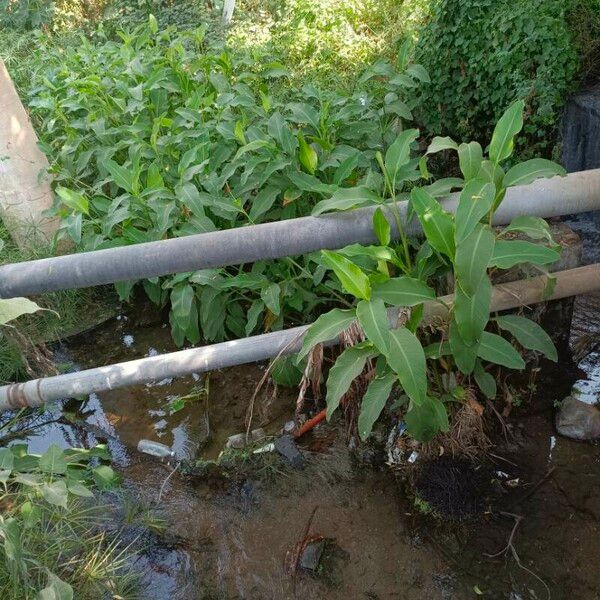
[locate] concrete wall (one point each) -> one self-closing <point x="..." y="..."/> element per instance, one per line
<point x="581" y="134"/>
<point x="24" y="183"/>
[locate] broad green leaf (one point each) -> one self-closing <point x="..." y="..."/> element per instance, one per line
<point x="254" y="313"/>
<point x="508" y="126"/>
<point x="7" y="460"/>
<point x="507" y="254"/>
<point x="53" y="460"/>
<point x="325" y="328"/>
<point x="437" y="225"/>
<point x="182" y="298"/>
<point x="78" y="202"/>
<point x="28" y="479"/>
<point x="476" y="200"/>
<point x="55" y="493"/>
<point x="190" y="196"/>
<point x="251" y="147"/>
<point x="309" y="183"/>
<point x="263" y="201"/>
<point x="352" y="278"/>
<point x="152" y="24"/>
<point x="280" y="131"/>
<point x="464" y="354"/>
<point x="437" y="350"/>
<point x="473" y="255"/>
<point x="491" y="172"/>
<point x="345" y="198"/>
<point x="473" y="312"/>
<point x="373" y="318"/>
<point x="270" y="295"/>
<point x="373" y="403"/>
<point x="398" y="154"/>
<point x="56" y="588"/>
<point x="304" y="113"/>
<point x="403" y="291"/>
<point x="122" y="176"/>
<point x="407" y="358"/>
<point x="377" y="253"/>
<point x="534" y="227"/>
<point x="381" y="226"/>
<point x="345" y="168"/>
<point x="529" y="334"/>
<point x="441" y="143"/>
<point x="15" y="307"/>
<point x="530" y="170"/>
<point x="347" y="367"/>
<point x="470" y="157"/>
<point x="105" y="477"/>
<point x="285" y="371"/>
<point x="485" y="381"/>
<point x="418" y="72"/>
<point x="443" y="186"/>
<point x="78" y="489"/>
<point x="425" y="420"/>
<point x="496" y="349"/>
<point x="307" y="155"/>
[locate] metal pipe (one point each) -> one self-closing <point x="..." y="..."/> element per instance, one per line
<point x="577" y="192"/>
<point x="261" y="347"/>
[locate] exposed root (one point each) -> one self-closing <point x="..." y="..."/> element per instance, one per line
<point x="311" y="378"/>
<point x="466" y="436"/>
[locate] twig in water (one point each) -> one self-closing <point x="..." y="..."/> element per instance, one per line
<point x="250" y="411"/>
<point x="162" y="487"/>
<point x="510" y="546"/>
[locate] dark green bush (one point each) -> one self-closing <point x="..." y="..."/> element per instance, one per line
<point x="584" y="20"/>
<point x="484" y="54"/>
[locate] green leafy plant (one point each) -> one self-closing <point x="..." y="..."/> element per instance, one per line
<point x="390" y="276"/>
<point x="49" y="536"/>
<point x="161" y="135"/>
<point x="484" y="55"/>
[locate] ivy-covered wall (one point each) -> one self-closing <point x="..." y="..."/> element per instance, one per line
<point x="484" y="54"/>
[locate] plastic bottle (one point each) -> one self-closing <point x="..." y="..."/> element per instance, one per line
<point x="155" y="449"/>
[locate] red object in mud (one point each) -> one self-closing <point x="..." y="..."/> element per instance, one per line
<point x="311" y="423"/>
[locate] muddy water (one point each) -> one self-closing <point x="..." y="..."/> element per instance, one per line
<point x="228" y="535"/>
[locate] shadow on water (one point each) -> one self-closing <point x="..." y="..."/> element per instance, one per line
<point x="228" y="534"/>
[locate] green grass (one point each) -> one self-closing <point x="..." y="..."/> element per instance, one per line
<point x="69" y="312"/>
<point x="327" y="42"/>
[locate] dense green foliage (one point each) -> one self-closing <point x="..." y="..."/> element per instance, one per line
<point x="159" y="136"/>
<point x="51" y="542"/>
<point x="584" y="22"/>
<point x="329" y="41"/>
<point x="484" y="54"/>
<point x="55" y="15"/>
<point x="462" y="245"/>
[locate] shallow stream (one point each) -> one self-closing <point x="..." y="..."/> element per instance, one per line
<point x="227" y="537"/>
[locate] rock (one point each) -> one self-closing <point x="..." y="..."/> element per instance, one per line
<point x="286" y="446"/>
<point x="311" y="555"/>
<point x="258" y="434"/>
<point x="238" y="441"/>
<point x="578" y="420"/>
